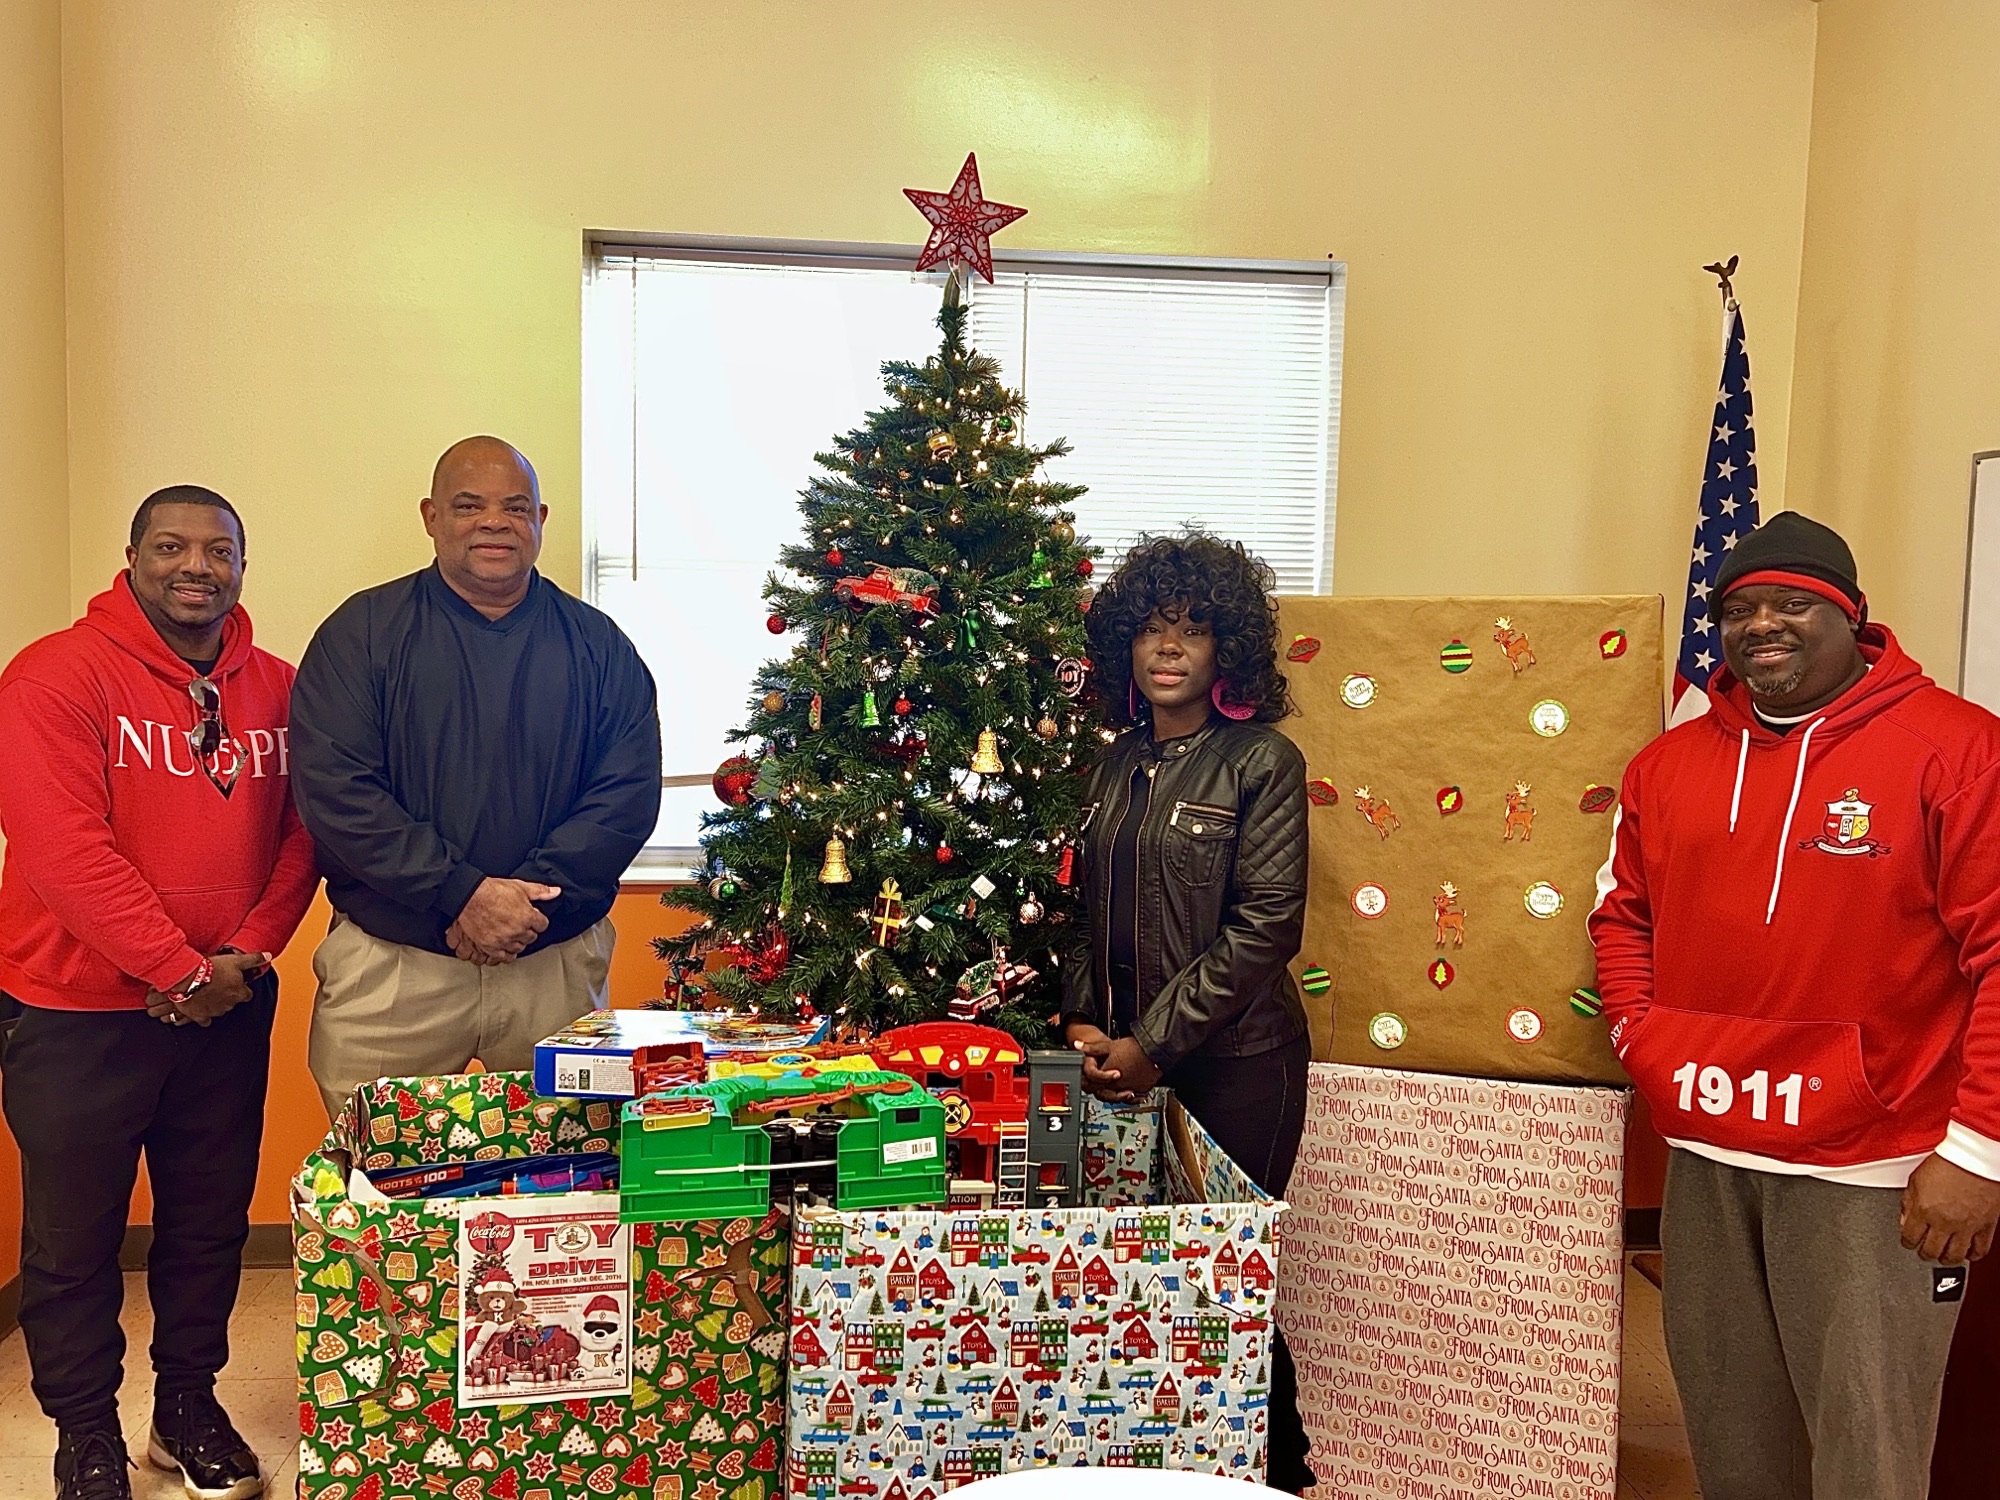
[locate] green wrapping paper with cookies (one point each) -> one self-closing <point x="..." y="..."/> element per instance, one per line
<point x="1464" y="756"/>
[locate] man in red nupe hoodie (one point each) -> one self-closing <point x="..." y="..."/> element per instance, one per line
<point x="154" y="864"/>
<point x="1798" y="944"/>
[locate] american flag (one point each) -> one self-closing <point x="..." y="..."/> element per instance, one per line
<point x="1728" y="512"/>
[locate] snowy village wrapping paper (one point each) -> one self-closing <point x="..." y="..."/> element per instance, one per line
<point x="1452" y="1287"/>
<point x="380" y="1334"/>
<point x="930" y="1349"/>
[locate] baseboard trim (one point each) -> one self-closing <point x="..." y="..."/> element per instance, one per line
<point x="1642" y="1229"/>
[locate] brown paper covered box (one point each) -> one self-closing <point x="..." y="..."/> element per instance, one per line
<point x="1465" y="755"/>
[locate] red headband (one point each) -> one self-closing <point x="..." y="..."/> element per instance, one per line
<point x="1803" y="581"/>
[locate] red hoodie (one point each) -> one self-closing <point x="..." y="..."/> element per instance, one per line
<point x="1798" y="936"/>
<point x="124" y="864"/>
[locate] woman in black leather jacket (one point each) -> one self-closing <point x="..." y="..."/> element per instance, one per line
<point x="1193" y="864"/>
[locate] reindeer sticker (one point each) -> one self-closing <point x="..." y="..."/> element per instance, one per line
<point x="1450" y="915"/>
<point x="1520" y="816"/>
<point x="1378" y="814"/>
<point x="1520" y="655"/>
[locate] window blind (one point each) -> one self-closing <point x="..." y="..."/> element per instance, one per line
<point x="711" y="377"/>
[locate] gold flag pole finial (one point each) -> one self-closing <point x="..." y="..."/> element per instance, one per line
<point x="1723" y="271"/>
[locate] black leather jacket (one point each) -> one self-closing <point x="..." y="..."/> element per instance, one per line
<point x="1221" y="902"/>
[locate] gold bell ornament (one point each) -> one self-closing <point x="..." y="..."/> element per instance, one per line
<point x="986" y="759"/>
<point x="834" y="871"/>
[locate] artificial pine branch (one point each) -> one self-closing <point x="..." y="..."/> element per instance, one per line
<point x="937" y="481"/>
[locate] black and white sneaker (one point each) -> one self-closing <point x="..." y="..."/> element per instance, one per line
<point x="193" y="1434"/>
<point x="91" y="1466"/>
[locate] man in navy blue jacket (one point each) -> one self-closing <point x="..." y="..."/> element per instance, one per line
<point x="477" y="756"/>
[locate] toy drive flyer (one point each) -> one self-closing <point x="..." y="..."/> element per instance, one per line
<point x="545" y="1298"/>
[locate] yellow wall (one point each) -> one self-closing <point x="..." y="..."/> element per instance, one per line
<point x="310" y="243"/>
<point x="1899" y="309"/>
<point x="33" y="477"/>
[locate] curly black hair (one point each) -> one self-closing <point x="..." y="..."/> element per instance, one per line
<point x="1220" y="584"/>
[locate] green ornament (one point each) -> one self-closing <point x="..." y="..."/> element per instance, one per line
<point x="1456" y="657"/>
<point x="968" y="633"/>
<point x="871" y="718"/>
<point x="1005" y="424"/>
<point x="1585" y="1001"/>
<point x="1315" y="980"/>
<point x="785" y="884"/>
<point x="1040" y="564"/>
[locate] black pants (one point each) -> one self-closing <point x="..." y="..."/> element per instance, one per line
<point x="86" y="1092"/>
<point x="1255" y="1107"/>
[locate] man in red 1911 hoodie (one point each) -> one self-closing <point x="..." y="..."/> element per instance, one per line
<point x="1798" y="944"/>
<point x="154" y="864"/>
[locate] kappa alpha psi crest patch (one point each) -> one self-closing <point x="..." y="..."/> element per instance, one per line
<point x="1846" y="828"/>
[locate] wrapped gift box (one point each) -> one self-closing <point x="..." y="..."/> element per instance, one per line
<point x="1452" y="1287"/>
<point x="523" y="1348"/>
<point x="929" y="1349"/>
<point x="1463" y="757"/>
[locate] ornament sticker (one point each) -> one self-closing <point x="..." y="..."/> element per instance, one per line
<point x="1456" y="657"/>
<point x="1357" y="690"/>
<point x="1520" y="814"/>
<point x="1321" y="792"/>
<point x="1524" y="1025"/>
<point x="1302" y="649"/>
<point x="1585" y="1001"/>
<point x="1548" y="718"/>
<point x="1369" y="900"/>
<point x="1441" y="974"/>
<point x="1377" y="812"/>
<point x="1450" y="800"/>
<point x="1314" y="980"/>
<point x="546" y="1293"/>
<point x="1542" y="900"/>
<point x="1520" y="656"/>
<point x="1597" y="799"/>
<point x="1071" y="675"/>
<point x="1387" y="1031"/>
<point x="1450" y="916"/>
<point x="1611" y="645"/>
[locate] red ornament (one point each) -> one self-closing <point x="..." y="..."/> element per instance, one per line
<point x="902" y="705"/>
<point x="944" y="854"/>
<point x="775" y="624"/>
<point x="1066" y="865"/>
<point x="1085" y="567"/>
<point x="734" y="778"/>
<point x="962" y="221"/>
<point x="835" y="557"/>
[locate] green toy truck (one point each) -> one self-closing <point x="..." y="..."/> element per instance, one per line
<point x="722" y="1150"/>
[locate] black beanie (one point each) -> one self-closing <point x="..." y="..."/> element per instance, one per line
<point x="1797" y="549"/>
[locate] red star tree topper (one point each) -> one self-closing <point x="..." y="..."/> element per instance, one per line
<point x="962" y="222"/>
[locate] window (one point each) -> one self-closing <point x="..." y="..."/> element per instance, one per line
<point x="714" y="372"/>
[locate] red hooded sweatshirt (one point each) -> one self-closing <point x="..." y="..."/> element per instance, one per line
<point x="1798" y="936"/>
<point x="124" y="864"/>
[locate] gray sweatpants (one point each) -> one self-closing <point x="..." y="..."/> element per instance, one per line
<point x="1803" y="1337"/>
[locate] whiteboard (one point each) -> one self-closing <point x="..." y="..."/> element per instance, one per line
<point x="1979" y="653"/>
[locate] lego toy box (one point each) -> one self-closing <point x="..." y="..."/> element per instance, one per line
<point x="592" y="1056"/>
<point x="931" y="1348"/>
<point x="1452" y="1288"/>
<point x="530" y="1346"/>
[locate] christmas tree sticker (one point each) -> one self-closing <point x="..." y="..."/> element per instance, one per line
<point x="895" y="844"/>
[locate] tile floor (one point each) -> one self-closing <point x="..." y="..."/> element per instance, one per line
<point x="259" y="1390"/>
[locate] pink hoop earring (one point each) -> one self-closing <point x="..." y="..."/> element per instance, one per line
<point x="1237" y="711"/>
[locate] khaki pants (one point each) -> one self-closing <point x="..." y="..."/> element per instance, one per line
<point x="387" y="1011"/>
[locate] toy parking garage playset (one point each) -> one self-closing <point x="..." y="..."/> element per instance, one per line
<point x="842" y="1270"/>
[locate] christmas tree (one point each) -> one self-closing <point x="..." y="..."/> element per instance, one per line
<point x="895" y="841"/>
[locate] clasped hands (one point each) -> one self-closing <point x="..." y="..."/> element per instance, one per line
<point x="1114" y="1068"/>
<point x="228" y="989"/>
<point x="500" y="920"/>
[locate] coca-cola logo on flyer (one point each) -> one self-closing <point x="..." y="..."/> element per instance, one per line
<point x="490" y="1234"/>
